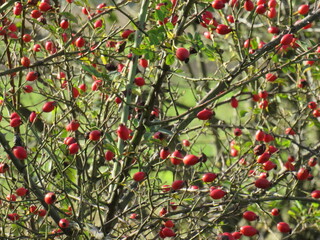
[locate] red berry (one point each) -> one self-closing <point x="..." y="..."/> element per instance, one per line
<point x="63" y="223"/>
<point x="73" y="148"/>
<point x="250" y="216"/>
<point x="13" y="216"/>
<point x="217" y="4"/>
<point x="315" y="194"/>
<point x="237" y="235"/>
<point x="303" y="9"/>
<point x="272" y="3"/>
<point x="17" y="9"/>
<point x="237" y="132"/>
<point x="3" y="167"/>
<point x="139" y="81"/>
<point x="177" y="184"/>
<point x="64" y="24"/>
<point x="50" y="198"/>
<point x="126" y="33"/>
<point x="139" y="176"/>
<point x="169" y="224"/>
<point x="312" y="105"/>
<point x="283" y="227"/>
<point x="248" y="5"/>
<point x="101" y="7"/>
<point x="275" y="212"/>
<point x="234" y="152"/>
<point x="83" y="87"/>
<point x="182" y="54"/>
<point x="25" y="61"/>
<point x="286" y="39"/>
<point x="273" y="30"/>
<point x="262" y="183"/>
<point x="69" y="140"/>
<point x="44" y="6"/>
<point x="14" y="115"/>
<point x="312" y="162"/>
<point x="49" y="46"/>
<point x="209" y="177"/>
<point x="80" y="42"/>
<point x="31" y="76"/>
<point x="291" y="158"/>
<point x="21" y="191"/>
<point x="143" y="63"/>
<point x="109" y="155"/>
<point x="16" y="122"/>
<point x="217" y="193"/>
<point x="223" y="29"/>
<point x="259" y="135"/>
<point x="234" y="102"/>
<point x="289" y="166"/>
<point x="168" y="232"/>
<point x="255" y="97"/>
<point x="271" y="77"/>
<point x="247" y="43"/>
<point x="166" y="188"/>
<point x="190" y="160"/>
<point x="28" y="88"/>
<point x="33" y="209"/>
<point x="49" y="106"/>
<point x="290" y="131"/>
<point x="230" y="19"/>
<point x="269" y="165"/>
<point x="263" y="94"/>
<point x="316" y="112"/>
<point x="20" y="152"/>
<point x="164" y="153"/>
<point x="36" y="14"/>
<point x="36" y="48"/>
<point x="11" y="197"/>
<point x="85" y="10"/>
<point x="248" y="231"/>
<point x="32" y="117"/>
<point x="176" y="157"/>
<point x="42" y="212"/>
<point x="261" y="9"/>
<point x="98" y="23"/>
<point x="272" y="13"/>
<point x="264" y="157"/>
<point x="205" y="114"/>
<point x="186" y="143"/>
<point x="302" y="174"/>
<point x="95" y="135"/>
<point x="268" y="138"/>
<point x="73" y="126"/>
<point x="123" y="132"/>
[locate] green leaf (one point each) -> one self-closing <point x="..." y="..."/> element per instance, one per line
<point x="153" y="39"/>
<point x="138" y="51"/>
<point x="91" y="70"/>
<point x="283" y="142"/>
<point x="69" y="16"/>
<point x="159" y="15"/>
<point x="166" y="131"/>
<point x="109" y="137"/>
<point x="170" y="59"/>
<point x="275" y="58"/>
<point x="169" y="25"/>
<point x="243" y="113"/>
<point x="291" y="213"/>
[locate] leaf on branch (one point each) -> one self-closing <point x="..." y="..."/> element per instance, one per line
<point x="283" y="142"/>
<point x="69" y="16"/>
<point x="91" y="70"/>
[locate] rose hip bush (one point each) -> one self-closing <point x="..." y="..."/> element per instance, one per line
<point x="159" y="119"/>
